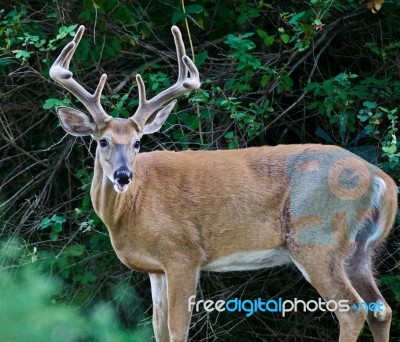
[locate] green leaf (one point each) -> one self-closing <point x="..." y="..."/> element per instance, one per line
<point x="264" y="80"/>
<point x="287" y="81"/>
<point x="261" y="33"/>
<point x="246" y="35"/>
<point x="58" y="219"/>
<point x="243" y="17"/>
<point x="317" y="22"/>
<point x="194" y="9"/>
<point x="314" y="105"/>
<point x="75" y="250"/>
<point x="63" y="31"/>
<point x="369" y="104"/>
<point x="362" y="118"/>
<point x="22" y="54"/>
<point x="393" y="281"/>
<point x="389" y="149"/>
<point x="295" y="18"/>
<point x="201" y="58"/>
<point x="56" y="227"/>
<point x="44" y="223"/>
<point x="116" y="47"/>
<point x="51" y="103"/>
<point x="269" y="40"/>
<point x="327" y="86"/>
<point x="285" y="38"/>
<point x="233" y="144"/>
<point x="311" y="86"/>
<point x="190" y="120"/>
<point x="123" y="14"/>
<point x="177" y="16"/>
<point x="85" y="15"/>
<point x="229" y="135"/>
<point x="86" y="278"/>
<point x="53" y="236"/>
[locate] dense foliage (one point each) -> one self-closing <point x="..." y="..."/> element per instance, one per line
<point x="272" y="72"/>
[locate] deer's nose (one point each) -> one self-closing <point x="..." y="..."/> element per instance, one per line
<point x="123" y="176"/>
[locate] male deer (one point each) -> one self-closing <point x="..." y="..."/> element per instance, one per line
<point x="172" y="215"/>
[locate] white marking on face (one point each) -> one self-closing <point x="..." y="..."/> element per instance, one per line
<point x="251" y="260"/>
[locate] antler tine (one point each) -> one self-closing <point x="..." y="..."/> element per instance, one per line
<point x="185" y="64"/>
<point x="60" y="73"/>
<point x="66" y="54"/>
<point x="180" y="52"/>
<point x="183" y="84"/>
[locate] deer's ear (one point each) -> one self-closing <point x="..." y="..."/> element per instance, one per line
<point x="75" y="122"/>
<point x="156" y="121"/>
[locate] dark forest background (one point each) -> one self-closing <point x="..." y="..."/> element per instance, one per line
<point x="273" y="72"/>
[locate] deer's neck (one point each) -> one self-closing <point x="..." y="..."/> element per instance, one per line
<point x="109" y="205"/>
<point x="118" y="211"/>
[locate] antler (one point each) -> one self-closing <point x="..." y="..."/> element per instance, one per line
<point x="59" y="72"/>
<point x="183" y="84"/>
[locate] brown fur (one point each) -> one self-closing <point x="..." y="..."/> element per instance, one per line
<point x="185" y="210"/>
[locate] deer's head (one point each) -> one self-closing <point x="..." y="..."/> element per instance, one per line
<point x="119" y="139"/>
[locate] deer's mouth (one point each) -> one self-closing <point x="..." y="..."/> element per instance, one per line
<point x="122" y="178"/>
<point x="120" y="188"/>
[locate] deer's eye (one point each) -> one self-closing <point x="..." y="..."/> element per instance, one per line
<point x="136" y="144"/>
<point x="103" y="142"/>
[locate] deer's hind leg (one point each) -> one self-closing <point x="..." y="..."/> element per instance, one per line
<point x="358" y="268"/>
<point x="324" y="268"/>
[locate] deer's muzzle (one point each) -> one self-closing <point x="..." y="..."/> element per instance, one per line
<point x="122" y="177"/>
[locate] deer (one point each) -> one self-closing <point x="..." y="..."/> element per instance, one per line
<point x="320" y="208"/>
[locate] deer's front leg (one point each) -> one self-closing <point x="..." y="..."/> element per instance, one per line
<point x="181" y="285"/>
<point x="160" y="306"/>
